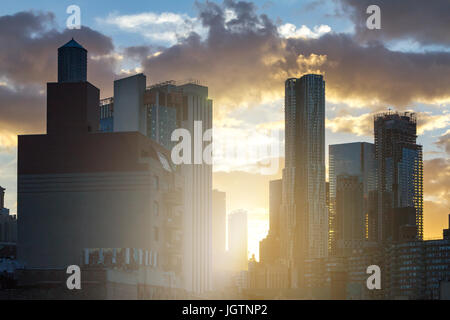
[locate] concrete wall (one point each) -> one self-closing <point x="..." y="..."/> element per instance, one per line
<point x="129" y="111"/>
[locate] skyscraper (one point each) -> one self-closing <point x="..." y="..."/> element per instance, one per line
<point x="351" y="159"/>
<point x="197" y="108"/>
<point x="8" y="223"/>
<point x="400" y="171"/>
<point x="305" y="217"/>
<point x="269" y="248"/>
<point x="349" y="220"/>
<point x="162" y="102"/>
<point x="219" y="229"/>
<point x="156" y="111"/>
<point x="2" y="201"/>
<point x="72" y="62"/>
<point x="238" y="240"/>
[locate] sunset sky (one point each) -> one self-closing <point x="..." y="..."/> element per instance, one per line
<point x="244" y="51"/>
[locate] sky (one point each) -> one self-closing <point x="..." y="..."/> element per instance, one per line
<point x="244" y="51"/>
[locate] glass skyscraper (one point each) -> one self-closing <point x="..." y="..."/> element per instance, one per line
<point x="305" y="217"/>
<point x="400" y="173"/>
<point x="351" y="160"/>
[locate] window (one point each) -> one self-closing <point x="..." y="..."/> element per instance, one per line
<point x="156" y="182"/>
<point x="156" y="233"/>
<point x="156" y="208"/>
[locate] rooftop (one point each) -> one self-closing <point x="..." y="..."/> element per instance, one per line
<point x="72" y="44"/>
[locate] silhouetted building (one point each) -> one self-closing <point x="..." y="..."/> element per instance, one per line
<point x="305" y="218"/>
<point x="156" y="111"/>
<point x="72" y="62"/>
<point x="357" y="160"/>
<point x="349" y="220"/>
<point x="400" y="170"/>
<point x="162" y="102"/>
<point x="238" y="240"/>
<point x="447" y="231"/>
<point x="2" y="201"/>
<point x="269" y="248"/>
<point x="219" y="236"/>
<point x="107" y="115"/>
<point x="81" y="189"/>
<point x="160" y="108"/>
<point x="8" y="227"/>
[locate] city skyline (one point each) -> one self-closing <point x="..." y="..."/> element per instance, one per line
<point x="348" y="115"/>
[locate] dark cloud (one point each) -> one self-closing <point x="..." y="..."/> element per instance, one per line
<point x="28" y="60"/>
<point x="22" y="110"/>
<point x="29" y="49"/>
<point x="246" y="60"/>
<point x="243" y="60"/>
<point x="426" y="22"/>
<point x="234" y="59"/>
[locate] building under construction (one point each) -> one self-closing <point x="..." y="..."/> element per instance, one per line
<point x="400" y="176"/>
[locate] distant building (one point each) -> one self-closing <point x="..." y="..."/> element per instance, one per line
<point x="400" y="170"/>
<point x="107" y="115"/>
<point x="160" y="107"/>
<point x="447" y="231"/>
<point x="219" y="237"/>
<point x="156" y="111"/>
<point x="269" y="248"/>
<point x="349" y="221"/>
<point x="238" y="240"/>
<point x="305" y="216"/>
<point x="8" y="226"/>
<point x="162" y="102"/>
<point x="357" y="160"/>
<point x="3" y="210"/>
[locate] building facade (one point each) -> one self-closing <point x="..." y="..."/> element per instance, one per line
<point x="219" y="237"/>
<point x="355" y="160"/>
<point x="238" y="240"/>
<point x="400" y="170"/>
<point x="156" y="111"/>
<point x="8" y="224"/>
<point x="80" y="188"/>
<point x="305" y="216"/>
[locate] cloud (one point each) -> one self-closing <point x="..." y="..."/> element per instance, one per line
<point x="28" y="60"/>
<point x="289" y="30"/>
<point x="435" y="219"/>
<point x="424" y="22"/>
<point x="444" y="142"/>
<point x="429" y="122"/>
<point x="166" y="27"/>
<point x="245" y="60"/>
<point x="437" y="196"/>
<point x="437" y="180"/>
<point x="22" y="111"/>
<point x="30" y="56"/>
<point x="360" y="125"/>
